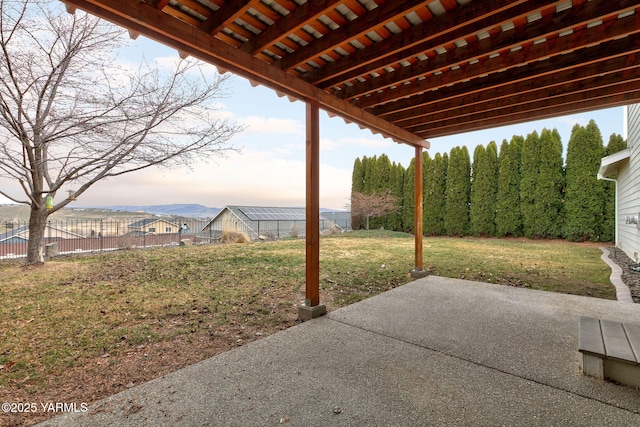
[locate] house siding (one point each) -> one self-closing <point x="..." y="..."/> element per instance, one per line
<point x="154" y="226"/>
<point x="629" y="189"/>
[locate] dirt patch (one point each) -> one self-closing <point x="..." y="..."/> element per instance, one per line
<point x="108" y="374"/>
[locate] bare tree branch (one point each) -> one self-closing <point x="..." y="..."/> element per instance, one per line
<point x="71" y="116"/>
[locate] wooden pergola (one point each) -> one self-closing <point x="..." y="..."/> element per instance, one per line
<point x="409" y="70"/>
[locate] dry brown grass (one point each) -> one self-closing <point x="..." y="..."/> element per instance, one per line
<point x="78" y="329"/>
<point x="234" y="237"/>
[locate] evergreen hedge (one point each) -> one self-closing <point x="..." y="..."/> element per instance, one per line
<point x="524" y="189"/>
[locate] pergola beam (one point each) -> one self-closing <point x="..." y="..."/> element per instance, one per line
<point x="456" y="25"/>
<point x="563" y="95"/>
<point x="155" y="24"/>
<point x="312" y="307"/>
<point x="418" y="201"/>
<point x="383" y="14"/>
<point x="484" y="91"/>
<point x="216" y="23"/>
<point x="578" y="44"/>
<point x="288" y="24"/>
<point x="500" y="45"/>
<point x="523" y="115"/>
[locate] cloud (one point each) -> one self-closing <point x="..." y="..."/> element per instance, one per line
<point x="253" y="178"/>
<point x="270" y="125"/>
<point x="343" y="142"/>
<point x="572" y="120"/>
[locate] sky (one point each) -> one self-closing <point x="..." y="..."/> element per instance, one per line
<point x="269" y="169"/>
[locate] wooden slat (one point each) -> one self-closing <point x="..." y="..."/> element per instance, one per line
<point x="375" y="18"/>
<point x="179" y="14"/>
<point x="253" y="21"/>
<point x="506" y="41"/>
<point x="159" y="4"/>
<point x="590" y="336"/>
<point x="495" y="86"/>
<point x="633" y="335"/>
<point x="309" y="11"/>
<point x="571" y="107"/>
<point x="267" y="11"/>
<point x="475" y="17"/>
<point x="558" y="46"/>
<point x="197" y="7"/>
<point x="616" y="344"/>
<point x="588" y="62"/>
<point x="538" y="94"/>
<point x="568" y="101"/>
<point x="500" y="87"/>
<point x="232" y="10"/>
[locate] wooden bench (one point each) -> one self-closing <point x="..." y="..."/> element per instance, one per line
<point x="610" y="350"/>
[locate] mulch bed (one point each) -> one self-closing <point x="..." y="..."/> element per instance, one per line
<point x="630" y="271"/>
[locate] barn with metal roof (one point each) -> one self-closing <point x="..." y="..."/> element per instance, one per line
<point x="263" y="222"/>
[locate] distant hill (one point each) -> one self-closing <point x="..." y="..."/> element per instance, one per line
<point x="183" y="210"/>
<point x="94" y="213"/>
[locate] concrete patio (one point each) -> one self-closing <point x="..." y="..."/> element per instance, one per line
<point x="437" y="352"/>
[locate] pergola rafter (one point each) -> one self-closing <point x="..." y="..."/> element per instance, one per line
<point x="397" y="60"/>
<point x="502" y="52"/>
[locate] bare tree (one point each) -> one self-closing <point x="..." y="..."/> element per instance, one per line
<point x="70" y="117"/>
<point x="373" y="205"/>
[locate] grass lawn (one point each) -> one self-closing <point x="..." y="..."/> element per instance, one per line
<point x="80" y="328"/>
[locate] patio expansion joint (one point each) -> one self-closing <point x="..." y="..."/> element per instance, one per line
<point x="473" y="362"/>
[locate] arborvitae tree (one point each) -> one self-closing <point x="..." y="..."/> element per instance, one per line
<point x="474" y="211"/>
<point x="528" y="190"/>
<point x="484" y="185"/>
<point x="369" y="180"/>
<point x="549" y="186"/>
<point x="408" y="206"/>
<point x="458" y="188"/>
<point x="381" y="174"/>
<point x="616" y="143"/>
<point x="397" y="189"/>
<point x="508" y="210"/>
<point x="492" y="169"/>
<point x="584" y="197"/>
<point x="357" y="186"/>
<point x="435" y="187"/>
<point x="427" y="172"/>
<point x="529" y="167"/>
<point x="382" y="171"/>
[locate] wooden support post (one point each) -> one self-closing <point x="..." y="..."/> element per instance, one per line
<point x="312" y="307"/>
<point x="418" y="271"/>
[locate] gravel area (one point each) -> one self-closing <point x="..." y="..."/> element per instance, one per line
<point x="630" y="271"/>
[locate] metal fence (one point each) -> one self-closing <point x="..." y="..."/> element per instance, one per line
<point x="78" y="236"/>
<point x="273" y="229"/>
<point x="82" y="236"/>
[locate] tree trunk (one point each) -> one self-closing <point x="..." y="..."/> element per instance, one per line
<point x="37" y="226"/>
